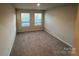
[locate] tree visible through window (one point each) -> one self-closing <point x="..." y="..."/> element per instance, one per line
<point x="25" y="19"/>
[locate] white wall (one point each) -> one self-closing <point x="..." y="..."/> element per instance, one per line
<point x="60" y="22"/>
<point x="7" y="28"/>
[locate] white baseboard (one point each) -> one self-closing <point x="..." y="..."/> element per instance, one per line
<point x="59" y="38"/>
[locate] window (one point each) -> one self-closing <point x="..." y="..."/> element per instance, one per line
<point x="38" y="19"/>
<point x="25" y="19"/>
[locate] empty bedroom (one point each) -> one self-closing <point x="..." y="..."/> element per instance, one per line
<point x="37" y="29"/>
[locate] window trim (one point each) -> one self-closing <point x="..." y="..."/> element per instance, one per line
<point x="41" y="19"/>
<point x="27" y="22"/>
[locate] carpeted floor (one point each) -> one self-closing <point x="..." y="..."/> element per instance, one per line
<point x="38" y="43"/>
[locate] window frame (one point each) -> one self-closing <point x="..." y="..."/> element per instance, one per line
<point x="29" y="19"/>
<point x="40" y="19"/>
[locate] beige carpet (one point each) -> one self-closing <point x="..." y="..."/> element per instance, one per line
<point x="38" y="43"/>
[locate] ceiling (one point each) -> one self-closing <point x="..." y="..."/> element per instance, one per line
<point x="43" y="6"/>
